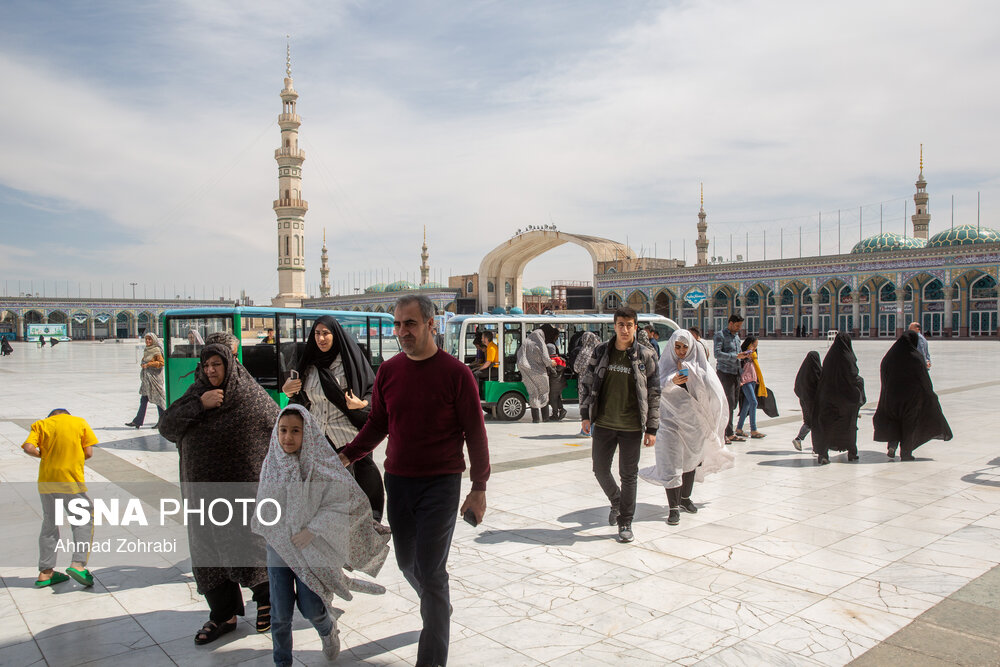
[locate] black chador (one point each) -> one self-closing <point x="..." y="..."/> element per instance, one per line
<point x="909" y="413"/>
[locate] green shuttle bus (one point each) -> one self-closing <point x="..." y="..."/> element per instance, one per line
<point x="267" y="360"/>
<point x="503" y="394"/>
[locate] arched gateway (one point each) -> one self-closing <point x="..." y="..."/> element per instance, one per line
<point x="501" y="269"/>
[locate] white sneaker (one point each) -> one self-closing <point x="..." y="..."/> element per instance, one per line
<point x="331" y="644"/>
<point x="797" y="444"/>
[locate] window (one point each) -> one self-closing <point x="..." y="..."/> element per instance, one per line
<point x="468" y="287"/>
<point x="489" y="287"/>
<point x="506" y="288"/>
<point x="182" y="343"/>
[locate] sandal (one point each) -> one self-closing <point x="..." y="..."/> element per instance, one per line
<point x="212" y="631"/>
<point x="740" y="433"/>
<point x="56" y="578"/>
<point x="263" y="618"/>
<point x="757" y="435"/>
<point x="738" y="438"/>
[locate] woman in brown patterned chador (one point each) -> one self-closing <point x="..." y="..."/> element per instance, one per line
<point x="222" y="426"/>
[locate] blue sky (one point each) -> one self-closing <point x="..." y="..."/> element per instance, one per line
<point x="139" y="136"/>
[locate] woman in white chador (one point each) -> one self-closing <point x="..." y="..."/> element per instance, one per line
<point x="690" y="442"/>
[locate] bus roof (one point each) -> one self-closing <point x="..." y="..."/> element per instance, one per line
<point x="560" y="317"/>
<point x="264" y="311"/>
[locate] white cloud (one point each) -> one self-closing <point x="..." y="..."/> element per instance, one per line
<point x="475" y="126"/>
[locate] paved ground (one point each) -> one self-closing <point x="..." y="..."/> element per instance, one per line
<point x="785" y="563"/>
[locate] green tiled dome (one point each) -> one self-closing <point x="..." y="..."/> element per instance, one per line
<point x="540" y="291"/>
<point x="432" y="285"/>
<point x="400" y="286"/>
<point x="885" y="242"/>
<point x="377" y="287"/>
<point x="963" y="235"/>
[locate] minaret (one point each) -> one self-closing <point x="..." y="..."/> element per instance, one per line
<point x="702" y="243"/>
<point x="324" y="269"/>
<point x="921" y="219"/>
<point x="289" y="206"/>
<point x="425" y="269"/>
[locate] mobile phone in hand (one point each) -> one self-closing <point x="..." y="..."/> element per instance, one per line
<point x="683" y="372"/>
<point x="470" y="518"/>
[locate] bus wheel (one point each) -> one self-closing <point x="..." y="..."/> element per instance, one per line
<point x="510" y="407"/>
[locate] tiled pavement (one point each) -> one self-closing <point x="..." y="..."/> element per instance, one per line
<point x="785" y="563"/>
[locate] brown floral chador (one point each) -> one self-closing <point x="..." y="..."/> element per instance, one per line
<point x="225" y="444"/>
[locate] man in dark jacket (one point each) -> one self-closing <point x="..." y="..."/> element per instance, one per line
<point x="621" y="396"/>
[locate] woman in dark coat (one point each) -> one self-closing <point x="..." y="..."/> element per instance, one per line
<point x="222" y="426"/>
<point x="839" y="397"/>
<point x="908" y="413"/>
<point x="335" y="384"/>
<point x="806" y="382"/>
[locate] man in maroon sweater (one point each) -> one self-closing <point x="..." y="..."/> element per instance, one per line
<point x="427" y="402"/>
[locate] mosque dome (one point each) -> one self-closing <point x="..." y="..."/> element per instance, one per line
<point x="432" y="285"/>
<point x="885" y="242"/>
<point x="400" y="286"/>
<point x="526" y="292"/>
<point x="516" y="311"/>
<point x="540" y="291"/>
<point x="498" y="310"/>
<point x="963" y="235"/>
<point x="376" y="288"/>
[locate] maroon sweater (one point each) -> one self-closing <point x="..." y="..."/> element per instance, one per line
<point x="428" y="409"/>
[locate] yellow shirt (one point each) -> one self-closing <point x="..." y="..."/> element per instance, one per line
<point x="61" y="439"/>
<point x="492" y="355"/>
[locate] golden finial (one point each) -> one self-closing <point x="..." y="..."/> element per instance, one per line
<point x="921" y="158"/>
<point x="425" y="233"/>
<point x="288" y="56"/>
<point x="703" y="195"/>
<point x="324" y="236"/>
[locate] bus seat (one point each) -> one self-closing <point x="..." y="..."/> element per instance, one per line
<point x="260" y="362"/>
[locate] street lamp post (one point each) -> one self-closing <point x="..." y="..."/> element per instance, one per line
<point x="133" y="290"/>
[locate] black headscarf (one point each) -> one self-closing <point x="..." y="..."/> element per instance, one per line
<point x="6" y="346"/>
<point x="908" y="409"/>
<point x="357" y="370"/>
<point x="840" y="394"/>
<point x="806" y="383"/>
<point x="551" y="333"/>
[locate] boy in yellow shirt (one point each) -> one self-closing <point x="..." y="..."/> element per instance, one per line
<point x="62" y="442"/>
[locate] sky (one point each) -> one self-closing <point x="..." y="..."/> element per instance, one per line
<point x="138" y="137"/>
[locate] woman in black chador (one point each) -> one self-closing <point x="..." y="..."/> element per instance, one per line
<point x="806" y="382"/>
<point x="839" y="397"/>
<point x="908" y="413"/>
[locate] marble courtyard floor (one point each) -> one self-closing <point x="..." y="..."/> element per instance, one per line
<point x="786" y="563"/>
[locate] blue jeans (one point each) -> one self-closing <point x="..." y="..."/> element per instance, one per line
<point x="286" y="591"/>
<point x="422" y="513"/>
<point x="749" y="406"/>
<point x="140" y="416"/>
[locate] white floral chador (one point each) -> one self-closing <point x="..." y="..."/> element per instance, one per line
<point x="692" y="421"/>
<point x="317" y="493"/>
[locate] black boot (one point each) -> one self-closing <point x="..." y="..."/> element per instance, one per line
<point x="545" y="413"/>
<point x="535" y="415"/>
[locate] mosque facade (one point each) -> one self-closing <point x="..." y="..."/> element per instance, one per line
<point x="946" y="282"/>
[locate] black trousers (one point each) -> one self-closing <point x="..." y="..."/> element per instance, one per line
<point x="675" y="494"/>
<point x="226" y="601"/>
<point x="368" y="477"/>
<point x="422" y="513"/>
<point x="730" y="385"/>
<point x="602" y="452"/>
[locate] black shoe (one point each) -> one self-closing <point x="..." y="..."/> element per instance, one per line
<point x="674" y="517"/>
<point x="890" y="451"/>
<point x="823" y="460"/>
<point x="562" y="414"/>
<point x="133" y="424"/>
<point x="907" y="457"/>
<point x="853" y="457"/>
<point x="613" y="516"/>
<point x="625" y="532"/>
<point x="688" y="506"/>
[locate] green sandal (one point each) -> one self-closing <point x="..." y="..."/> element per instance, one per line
<point x="56" y="578"/>
<point x="83" y="577"/>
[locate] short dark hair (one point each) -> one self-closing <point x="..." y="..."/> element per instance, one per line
<point x="627" y="313"/>
<point x="427" y="308"/>
<point x="695" y="330"/>
<point x="736" y="317"/>
<point x="59" y="411"/>
<point x="488" y="335"/>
